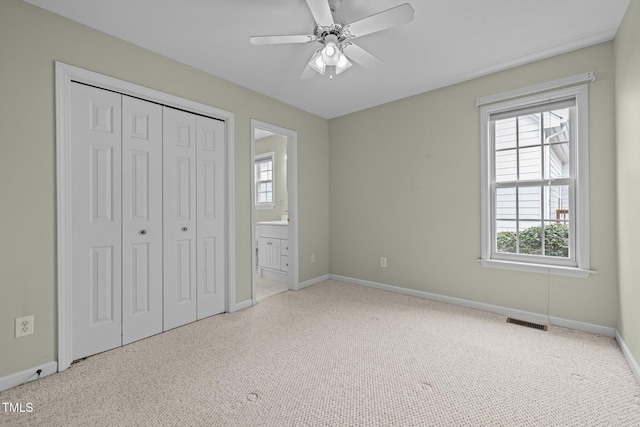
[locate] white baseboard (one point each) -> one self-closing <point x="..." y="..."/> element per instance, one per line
<point x="635" y="368"/>
<point x="497" y="309"/>
<point x="606" y="331"/>
<point x="27" y="375"/>
<point x="243" y="304"/>
<point x="313" y="281"/>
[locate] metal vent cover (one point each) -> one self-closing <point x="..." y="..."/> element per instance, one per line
<point x="527" y="324"/>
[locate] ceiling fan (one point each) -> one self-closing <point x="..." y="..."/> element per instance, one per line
<point x="338" y="50"/>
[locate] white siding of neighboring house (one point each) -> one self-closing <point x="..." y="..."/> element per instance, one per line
<point x="530" y="169"/>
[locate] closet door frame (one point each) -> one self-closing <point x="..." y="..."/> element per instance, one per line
<point x="65" y="74"/>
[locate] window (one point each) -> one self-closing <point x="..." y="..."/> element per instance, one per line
<point x="535" y="183"/>
<point x="264" y="173"/>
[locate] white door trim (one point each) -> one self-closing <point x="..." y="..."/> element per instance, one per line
<point x="65" y="74"/>
<point x="292" y="188"/>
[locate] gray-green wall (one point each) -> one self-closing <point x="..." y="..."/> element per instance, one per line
<point x="405" y="184"/>
<point x="31" y="39"/>
<point x="627" y="53"/>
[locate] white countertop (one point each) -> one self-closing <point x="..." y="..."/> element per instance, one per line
<point x="273" y="223"/>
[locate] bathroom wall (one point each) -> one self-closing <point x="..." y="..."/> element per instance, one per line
<point x="278" y="145"/>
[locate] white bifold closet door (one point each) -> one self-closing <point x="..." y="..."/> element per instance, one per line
<point x="117" y="219"/>
<point x="179" y="217"/>
<point x="194" y="257"/>
<point x="141" y="219"/>
<point x="211" y="259"/>
<point x="96" y="231"/>
<point x="147" y="218"/>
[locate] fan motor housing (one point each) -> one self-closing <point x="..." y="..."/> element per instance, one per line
<point x="322" y="32"/>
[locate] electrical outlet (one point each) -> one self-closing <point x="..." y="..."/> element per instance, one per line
<point x="24" y="326"/>
<point x="313" y="258"/>
<point x="383" y="261"/>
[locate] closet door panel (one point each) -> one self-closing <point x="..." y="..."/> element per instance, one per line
<point x="210" y="216"/>
<point x="96" y="228"/>
<point x="179" y="217"/>
<point x="142" y="219"/>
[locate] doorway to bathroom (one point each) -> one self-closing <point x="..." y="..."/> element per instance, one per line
<point x="274" y="216"/>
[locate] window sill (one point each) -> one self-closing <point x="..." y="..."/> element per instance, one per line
<point x="555" y="270"/>
<point x="265" y="206"/>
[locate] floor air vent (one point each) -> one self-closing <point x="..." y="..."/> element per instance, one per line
<point x="527" y="324"/>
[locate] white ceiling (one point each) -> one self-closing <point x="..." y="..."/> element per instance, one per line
<point x="449" y="41"/>
<point x="261" y="133"/>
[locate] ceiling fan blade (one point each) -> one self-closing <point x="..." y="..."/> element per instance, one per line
<point x="259" y="40"/>
<point x="380" y="21"/>
<point x="361" y="56"/>
<point x="321" y="12"/>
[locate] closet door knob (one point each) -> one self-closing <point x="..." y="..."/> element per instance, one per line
<point x="185" y="228"/>
<point x="143" y="231"/>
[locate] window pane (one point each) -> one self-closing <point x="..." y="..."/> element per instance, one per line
<point x="506" y="236"/>
<point x="265" y="192"/>
<point x="265" y="171"/>
<point x="530" y="237"/>
<point x="265" y="175"/>
<point x="556" y="127"/>
<point x="506" y="136"/>
<point x="506" y="166"/>
<point x="530" y="163"/>
<point x="529" y="203"/>
<point x="556" y="239"/>
<point x="505" y="203"/>
<point x="556" y="161"/>
<point x="265" y="197"/>
<point x="529" y="130"/>
<point x="557" y="203"/>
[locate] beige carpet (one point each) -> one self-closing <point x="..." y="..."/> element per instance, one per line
<point x="339" y="354"/>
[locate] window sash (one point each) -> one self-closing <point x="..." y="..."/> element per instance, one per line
<point x="541" y="220"/>
<point x="534" y="109"/>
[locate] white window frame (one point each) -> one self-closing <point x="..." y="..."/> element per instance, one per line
<point x="259" y="158"/>
<point x="579" y="265"/>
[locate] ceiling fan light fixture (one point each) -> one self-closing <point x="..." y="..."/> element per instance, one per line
<point x="343" y="64"/>
<point x="330" y="52"/>
<point x="340" y="64"/>
<point x="317" y="62"/>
